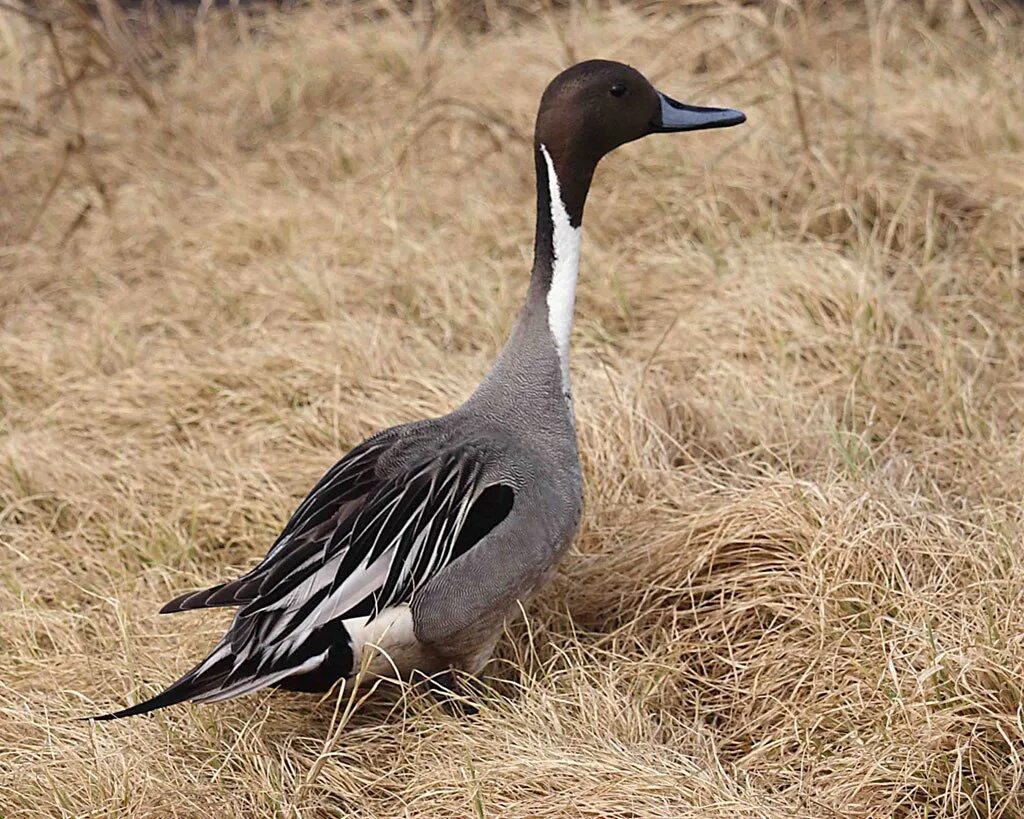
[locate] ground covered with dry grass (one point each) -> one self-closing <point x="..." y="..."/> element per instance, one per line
<point x="799" y="375"/>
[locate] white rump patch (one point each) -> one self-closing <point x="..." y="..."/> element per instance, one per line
<point x="562" y="293"/>
<point x="390" y="634"/>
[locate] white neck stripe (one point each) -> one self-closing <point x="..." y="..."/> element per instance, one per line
<point x="565" y="244"/>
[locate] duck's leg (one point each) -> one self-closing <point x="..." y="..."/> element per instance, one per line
<point x="448" y="693"/>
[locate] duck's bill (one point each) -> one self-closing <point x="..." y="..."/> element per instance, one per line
<point x="677" y="116"/>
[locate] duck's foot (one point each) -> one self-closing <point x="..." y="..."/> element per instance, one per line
<point x="448" y="693"/>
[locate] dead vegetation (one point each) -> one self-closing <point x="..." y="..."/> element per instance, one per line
<point x="799" y="364"/>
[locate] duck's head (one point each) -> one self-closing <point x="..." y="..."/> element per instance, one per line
<point x="595" y="106"/>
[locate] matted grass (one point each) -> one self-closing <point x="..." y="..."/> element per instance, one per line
<point x="799" y="377"/>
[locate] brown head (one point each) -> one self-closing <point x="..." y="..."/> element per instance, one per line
<point x="594" y="107"/>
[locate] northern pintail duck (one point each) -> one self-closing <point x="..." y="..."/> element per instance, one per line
<point x="421" y="541"/>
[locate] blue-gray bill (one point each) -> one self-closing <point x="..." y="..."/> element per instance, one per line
<point x="677" y="116"/>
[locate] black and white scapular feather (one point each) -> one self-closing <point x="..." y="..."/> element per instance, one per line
<point x="413" y="550"/>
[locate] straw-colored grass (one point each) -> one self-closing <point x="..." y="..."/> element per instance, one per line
<point x="799" y="376"/>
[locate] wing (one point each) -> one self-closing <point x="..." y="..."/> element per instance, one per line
<point x="316" y="597"/>
<point x="298" y="606"/>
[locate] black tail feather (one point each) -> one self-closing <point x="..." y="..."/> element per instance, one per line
<point x="189" y="687"/>
<point x="162" y="700"/>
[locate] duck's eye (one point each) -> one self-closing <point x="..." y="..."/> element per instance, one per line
<point x="618" y="89"/>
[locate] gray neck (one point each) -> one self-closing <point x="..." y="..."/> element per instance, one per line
<point x="536" y="354"/>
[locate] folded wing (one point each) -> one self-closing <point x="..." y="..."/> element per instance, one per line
<point x="357" y="546"/>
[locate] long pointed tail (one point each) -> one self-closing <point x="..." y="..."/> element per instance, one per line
<point x="242" y="663"/>
<point x="203" y="679"/>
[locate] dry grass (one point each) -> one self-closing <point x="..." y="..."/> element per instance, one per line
<point x="799" y="364"/>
